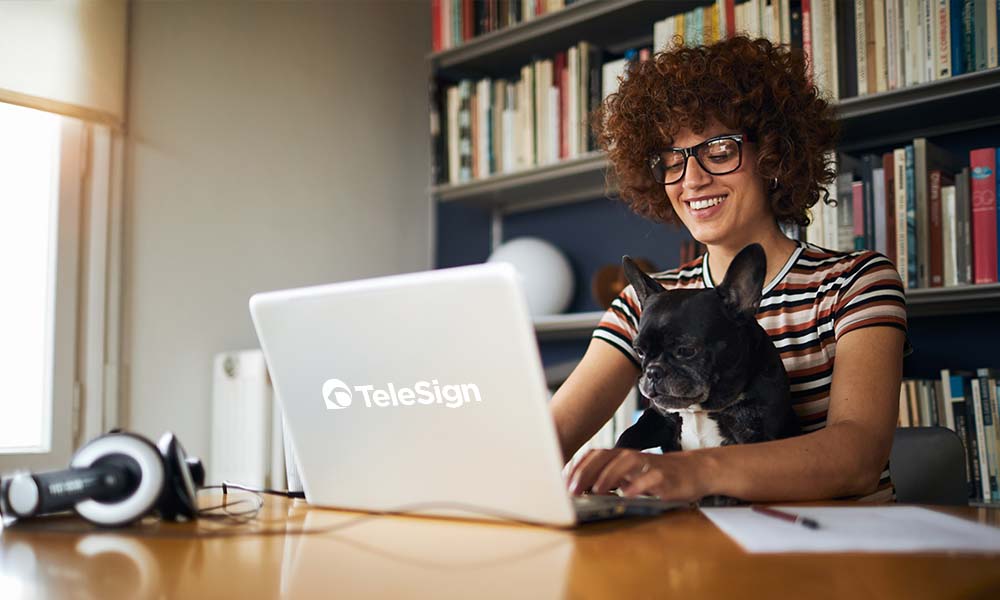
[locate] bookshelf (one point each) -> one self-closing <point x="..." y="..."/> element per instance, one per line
<point x="950" y="108"/>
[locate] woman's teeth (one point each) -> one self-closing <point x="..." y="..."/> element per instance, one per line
<point x="702" y="204"/>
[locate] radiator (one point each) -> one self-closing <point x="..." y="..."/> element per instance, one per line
<point x="247" y="445"/>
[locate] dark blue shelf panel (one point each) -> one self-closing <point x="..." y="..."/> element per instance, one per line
<point x="597" y="233"/>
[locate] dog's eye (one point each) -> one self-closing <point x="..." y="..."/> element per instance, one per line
<point x="640" y="353"/>
<point x="684" y="352"/>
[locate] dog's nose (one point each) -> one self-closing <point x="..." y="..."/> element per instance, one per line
<point x="654" y="373"/>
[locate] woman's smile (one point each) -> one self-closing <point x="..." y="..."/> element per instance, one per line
<point x="705" y="207"/>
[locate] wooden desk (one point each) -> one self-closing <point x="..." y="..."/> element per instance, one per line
<point x="679" y="555"/>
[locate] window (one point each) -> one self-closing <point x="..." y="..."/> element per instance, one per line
<point x="40" y="200"/>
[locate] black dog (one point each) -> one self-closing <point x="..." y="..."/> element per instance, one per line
<point x="711" y="373"/>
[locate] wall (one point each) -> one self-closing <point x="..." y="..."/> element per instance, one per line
<point x="270" y="145"/>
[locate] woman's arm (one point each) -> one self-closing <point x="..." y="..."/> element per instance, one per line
<point x="591" y="394"/>
<point x="845" y="458"/>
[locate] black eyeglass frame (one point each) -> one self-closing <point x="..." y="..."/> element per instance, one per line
<point x="739" y="138"/>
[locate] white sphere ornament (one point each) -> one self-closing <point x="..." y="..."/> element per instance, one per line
<point x="544" y="270"/>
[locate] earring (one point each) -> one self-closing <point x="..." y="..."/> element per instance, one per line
<point x="774" y="183"/>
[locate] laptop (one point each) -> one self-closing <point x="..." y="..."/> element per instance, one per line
<point x="423" y="392"/>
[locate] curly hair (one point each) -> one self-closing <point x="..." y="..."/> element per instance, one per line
<point x="749" y="85"/>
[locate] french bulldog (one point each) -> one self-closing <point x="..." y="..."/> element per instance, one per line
<point x="711" y="373"/>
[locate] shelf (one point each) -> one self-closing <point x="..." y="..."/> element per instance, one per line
<point x="495" y="53"/>
<point x="550" y="185"/>
<point x="893" y="117"/>
<point x="962" y="299"/>
<point x="960" y="103"/>
<point x="965" y="299"/>
<point x="568" y="326"/>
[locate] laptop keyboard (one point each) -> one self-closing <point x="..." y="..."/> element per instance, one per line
<point x="593" y="507"/>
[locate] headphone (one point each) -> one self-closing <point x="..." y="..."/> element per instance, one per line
<point x="113" y="480"/>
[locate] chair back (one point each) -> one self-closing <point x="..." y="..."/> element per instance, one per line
<point x="927" y="465"/>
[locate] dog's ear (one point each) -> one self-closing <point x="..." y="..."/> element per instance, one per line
<point x="741" y="288"/>
<point x="643" y="284"/>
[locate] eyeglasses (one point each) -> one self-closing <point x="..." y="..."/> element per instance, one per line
<point x="717" y="156"/>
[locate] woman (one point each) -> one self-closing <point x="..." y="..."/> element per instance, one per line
<point x="730" y="140"/>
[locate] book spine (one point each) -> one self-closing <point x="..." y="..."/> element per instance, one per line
<point x="911" y="220"/>
<point x="981" y="450"/>
<point x="860" y="47"/>
<point x="992" y="14"/>
<point x="731" y="18"/>
<point x="963" y="226"/>
<point x="858" y="204"/>
<point x="881" y="56"/>
<point x="949" y="236"/>
<point x="972" y="438"/>
<point x="881" y="244"/>
<point x="982" y="163"/>
<point x="936" y="267"/>
<point x="871" y="68"/>
<point x="436" y="25"/>
<point x="911" y="41"/>
<point x="957" y="37"/>
<point x="928" y="21"/>
<point x="846" y="73"/>
<point x="968" y="36"/>
<point x="889" y="200"/>
<point x="832" y="46"/>
<point x="981" y="35"/>
<point x="946" y="400"/>
<point x="943" y="38"/>
<point x="807" y="40"/>
<point x="891" y="47"/>
<point x="989" y="431"/>
<point x="902" y="250"/>
<point x="868" y="164"/>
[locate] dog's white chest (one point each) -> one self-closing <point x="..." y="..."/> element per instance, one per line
<point x="698" y="430"/>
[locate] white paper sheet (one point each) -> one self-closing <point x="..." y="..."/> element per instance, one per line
<point x="856" y="529"/>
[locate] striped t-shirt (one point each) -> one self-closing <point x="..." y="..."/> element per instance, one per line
<point x="818" y="296"/>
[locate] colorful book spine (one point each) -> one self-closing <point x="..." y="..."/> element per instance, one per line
<point x="983" y="184"/>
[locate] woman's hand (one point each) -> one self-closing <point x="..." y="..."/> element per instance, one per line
<point x="672" y="476"/>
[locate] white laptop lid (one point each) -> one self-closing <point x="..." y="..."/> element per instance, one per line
<point x="416" y="388"/>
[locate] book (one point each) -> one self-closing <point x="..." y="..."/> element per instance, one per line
<point x="879" y="231"/>
<point x="904" y="407"/>
<point x="963" y="224"/>
<point x="949" y="236"/>
<point x="858" y="213"/>
<point x="983" y="188"/>
<point x="987" y="382"/>
<point x="927" y="156"/>
<point x="972" y="437"/>
<point x="937" y="180"/>
<point x="910" y="222"/>
<point x="957" y="391"/>
<point x="942" y="29"/>
<point x="889" y="202"/>
<point x="982" y="463"/>
<point x="899" y="202"/>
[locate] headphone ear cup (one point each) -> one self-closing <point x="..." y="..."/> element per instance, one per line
<point x="141" y="458"/>
<point x="179" y="500"/>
